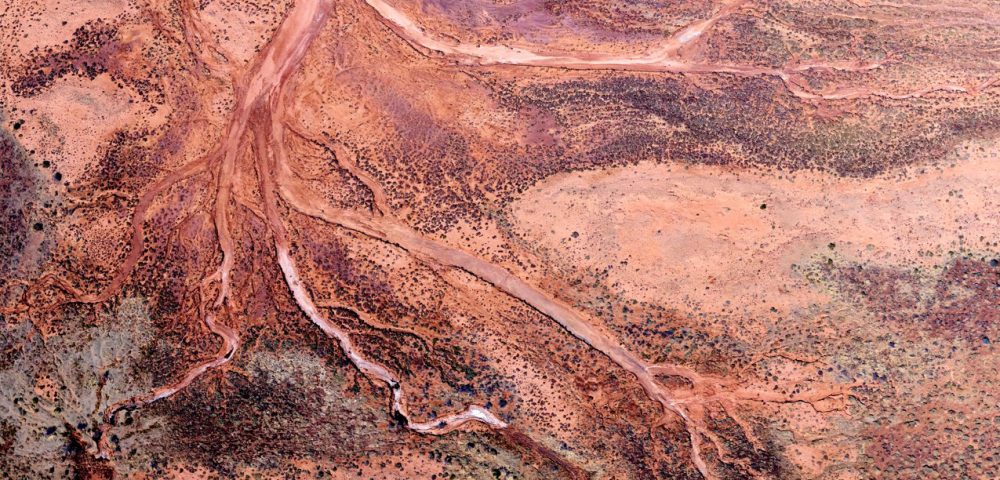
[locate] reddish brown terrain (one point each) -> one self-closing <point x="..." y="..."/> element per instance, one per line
<point x="515" y="239"/>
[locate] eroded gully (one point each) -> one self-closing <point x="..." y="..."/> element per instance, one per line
<point x="259" y="113"/>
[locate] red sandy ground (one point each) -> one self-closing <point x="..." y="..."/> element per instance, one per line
<point x="528" y="239"/>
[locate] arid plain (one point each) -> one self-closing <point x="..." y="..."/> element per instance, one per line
<point x="657" y="239"/>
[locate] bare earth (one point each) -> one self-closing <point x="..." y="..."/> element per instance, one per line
<point x="499" y="239"/>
